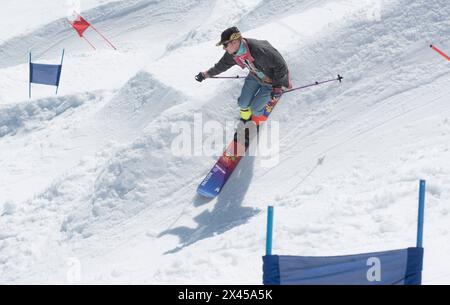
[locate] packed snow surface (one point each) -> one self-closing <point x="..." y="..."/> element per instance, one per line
<point x="91" y="190"/>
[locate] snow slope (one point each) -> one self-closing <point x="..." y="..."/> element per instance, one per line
<point x="89" y="177"/>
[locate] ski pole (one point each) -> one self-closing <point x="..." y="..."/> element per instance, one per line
<point x="440" y="52"/>
<point x="339" y="78"/>
<point x="228" y="77"/>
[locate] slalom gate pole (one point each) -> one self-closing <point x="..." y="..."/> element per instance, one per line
<point x="421" y="214"/>
<point x="103" y="36"/>
<point x="269" y="230"/>
<point x="88" y="42"/>
<point x="440" y="52"/>
<point x="31" y="73"/>
<point x="60" y="70"/>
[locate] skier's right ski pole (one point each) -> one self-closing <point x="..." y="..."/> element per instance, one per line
<point x="228" y="77"/>
<point x="339" y="78"/>
<point x="440" y="52"/>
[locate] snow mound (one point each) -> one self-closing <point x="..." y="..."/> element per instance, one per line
<point x="29" y="116"/>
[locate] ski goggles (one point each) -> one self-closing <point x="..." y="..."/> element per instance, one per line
<point x="225" y="44"/>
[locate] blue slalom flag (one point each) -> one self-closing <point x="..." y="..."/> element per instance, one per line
<point x="397" y="267"/>
<point x="45" y="74"/>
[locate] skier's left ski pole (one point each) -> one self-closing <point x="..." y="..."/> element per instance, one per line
<point x="339" y="78"/>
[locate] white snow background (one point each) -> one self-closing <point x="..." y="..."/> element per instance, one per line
<point x="90" y="191"/>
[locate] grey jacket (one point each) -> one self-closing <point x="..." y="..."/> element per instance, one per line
<point x="267" y="59"/>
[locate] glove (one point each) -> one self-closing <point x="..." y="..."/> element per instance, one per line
<point x="200" y="77"/>
<point x="276" y="93"/>
<point x="246" y="114"/>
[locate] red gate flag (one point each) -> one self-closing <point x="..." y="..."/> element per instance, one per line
<point x="80" y="25"/>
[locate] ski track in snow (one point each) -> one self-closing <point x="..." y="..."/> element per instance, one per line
<point x="97" y="180"/>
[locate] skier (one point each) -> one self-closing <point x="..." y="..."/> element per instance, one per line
<point x="268" y="72"/>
